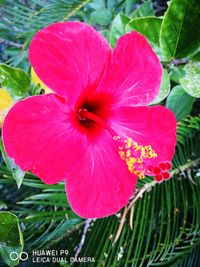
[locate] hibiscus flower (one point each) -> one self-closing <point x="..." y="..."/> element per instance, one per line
<point x="95" y="131"/>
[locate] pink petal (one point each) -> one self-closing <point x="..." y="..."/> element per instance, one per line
<point x="69" y="57"/>
<point x="37" y="133"/>
<point x="155" y="126"/>
<point x="101" y="185"/>
<point x="135" y="72"/>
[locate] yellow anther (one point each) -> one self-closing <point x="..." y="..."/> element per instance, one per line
<point x="128" y="153"/>
<point x="135" y="155"/>
<point x="128" y="143"/>
<point x="122" y="155"/>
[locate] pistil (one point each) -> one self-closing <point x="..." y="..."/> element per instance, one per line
<point x="83" y="114"/>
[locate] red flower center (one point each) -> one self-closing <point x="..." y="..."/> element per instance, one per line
<point x="92" y="114"/>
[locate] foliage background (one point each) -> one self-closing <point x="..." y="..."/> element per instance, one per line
<point x="161" y="228"/>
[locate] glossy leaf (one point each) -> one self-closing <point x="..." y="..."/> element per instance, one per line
<point x="15" y="81"/>
<point x="118" y="28"/>
<point x="148" y="26"/>
<point x="180" y="102"/>
<point x="196" y="56"/>
<point x="164" y="88"/>
<point x="146" y="9"/>
<point x="191" y="80"/>
<point x="11" y="238"/>
<point x="180" y="31"/>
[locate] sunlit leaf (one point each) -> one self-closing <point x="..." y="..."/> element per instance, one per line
<point x="150" y="28"/>
<point x="15" y="81"/>
<point x="180" y="31"/>
<point x="191" y="80"/>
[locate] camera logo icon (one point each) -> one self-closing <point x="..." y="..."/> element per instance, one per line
<point x="23" y="256"/>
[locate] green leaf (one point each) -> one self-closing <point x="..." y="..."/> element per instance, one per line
<point x="11" y="238"/>
<point x="146" y="9"/>
<point x="191" y="80"/>
<point x="17" y="173"/>
<point x="180" y="31"/>
<point x="196" y="56"/>
<point x="15" y="81"/>
<point x="164" y="88"/>
<point x="101" y="17"/>
<point x="176" y="73"/>
<point x="179" y="102"/>
<point x="148" y="26"/>
<point x="118" y="28"/>
<point x="129" y="4"/>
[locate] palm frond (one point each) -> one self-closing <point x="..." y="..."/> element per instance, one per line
<point x="165" y="228"/>
<point x="21" y="20"/>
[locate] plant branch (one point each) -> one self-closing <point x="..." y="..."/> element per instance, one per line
<point x="85" y="230"/>
<point x="146" y="188"/>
